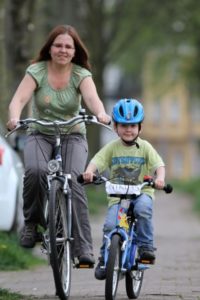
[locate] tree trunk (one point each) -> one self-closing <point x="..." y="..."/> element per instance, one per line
<point x="3" y="71"/>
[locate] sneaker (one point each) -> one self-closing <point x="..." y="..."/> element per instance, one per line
<point x="100" y="273"/>
<point x="28" y="236"/>
<point x="147" y="254"/>
<point x="86" y="259"/>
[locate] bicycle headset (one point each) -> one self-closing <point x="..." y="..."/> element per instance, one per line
<point x="128" y="111"/>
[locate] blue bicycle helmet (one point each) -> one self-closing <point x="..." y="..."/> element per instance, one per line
<point x="128" y="111"/>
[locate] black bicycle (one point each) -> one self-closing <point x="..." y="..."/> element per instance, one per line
<point x="57" y="207"/>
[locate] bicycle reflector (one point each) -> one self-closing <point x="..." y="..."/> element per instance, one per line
<point x="147" y="178"/>
<point x="53" y="166"/>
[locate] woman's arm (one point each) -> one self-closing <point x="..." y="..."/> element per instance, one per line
<point x="21" y="97"/>
<point x="92" y="100"/>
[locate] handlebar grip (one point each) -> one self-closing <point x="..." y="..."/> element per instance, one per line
<point x="168" y="188"/>
<point x="81" y="180"/>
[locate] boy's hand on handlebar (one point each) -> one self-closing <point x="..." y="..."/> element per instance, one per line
<point x="104" y="118"/>
<point x="159" y="184"/>
<point x="12" y="123"/>
<point x="88" y="176"/>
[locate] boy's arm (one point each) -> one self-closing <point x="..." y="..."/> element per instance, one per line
<point x="160" y="178"/>
<point x="89" y="172"/>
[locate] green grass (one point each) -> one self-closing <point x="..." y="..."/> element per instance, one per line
<point x="13" y="257"/>
<point x="7" y="295"/>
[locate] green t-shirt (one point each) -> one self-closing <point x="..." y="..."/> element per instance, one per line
<point x="63" y="104"/>
<point x="128" y="165"/>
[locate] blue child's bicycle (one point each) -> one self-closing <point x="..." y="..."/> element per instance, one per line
<point x="121" y="258"/>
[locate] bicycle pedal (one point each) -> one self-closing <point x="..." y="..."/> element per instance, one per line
<point x="84" y="266"/>
<point x="146" y="261"/>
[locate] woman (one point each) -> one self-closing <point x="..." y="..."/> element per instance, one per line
<point x="57" y="80"/>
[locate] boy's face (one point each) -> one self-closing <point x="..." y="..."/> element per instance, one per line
<point x="127" y="132"/>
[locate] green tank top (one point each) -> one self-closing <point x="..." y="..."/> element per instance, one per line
<point x="63" y="104"/>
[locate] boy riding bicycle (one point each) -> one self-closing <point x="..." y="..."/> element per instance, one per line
<point x="129" y="158"/>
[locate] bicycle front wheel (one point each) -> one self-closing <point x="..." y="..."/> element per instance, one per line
<point x="113" y="268"/>
<point x="134" y="280"/>
<point x="60" y="248"/>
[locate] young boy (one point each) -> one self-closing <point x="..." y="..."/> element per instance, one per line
<point x="129" y="158"/>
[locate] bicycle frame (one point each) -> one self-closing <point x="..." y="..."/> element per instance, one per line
<point x="125" y="228"/>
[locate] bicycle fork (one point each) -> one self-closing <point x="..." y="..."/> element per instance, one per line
<point x="66" y="182"/>
<point x="124" y="246"/>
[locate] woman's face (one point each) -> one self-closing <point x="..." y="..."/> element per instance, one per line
<point x="62" y="50"/>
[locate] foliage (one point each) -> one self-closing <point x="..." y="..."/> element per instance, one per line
<point x="96" y="198"/>
<point x="156" y="24"/>
<point x="114" y="31"/>
<point x="123" y="26"/>
<point x="119" y="33"/>
<point x="191" y="187"/>
<point x="12" y="256"/>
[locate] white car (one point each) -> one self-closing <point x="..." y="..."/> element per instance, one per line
<point x="11" y="188"/>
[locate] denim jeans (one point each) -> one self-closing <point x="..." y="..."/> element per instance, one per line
<point x="143" y="210"/>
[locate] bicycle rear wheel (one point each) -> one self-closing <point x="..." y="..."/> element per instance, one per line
<point x="113" y="268"/>
<point x="60" y="248"/>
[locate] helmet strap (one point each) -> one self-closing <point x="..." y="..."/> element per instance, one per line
<point x="131" y="143"/>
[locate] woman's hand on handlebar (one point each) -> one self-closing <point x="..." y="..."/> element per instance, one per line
<point x="104" y="118"/>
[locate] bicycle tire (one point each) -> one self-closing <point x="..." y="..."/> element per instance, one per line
<point x="60" y="248"/>
<point x="113" y="268"/>
<point x="134" y="279"/>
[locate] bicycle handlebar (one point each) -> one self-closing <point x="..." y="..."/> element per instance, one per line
<point x="147" y="182"/>
<point x="88" y="119"/>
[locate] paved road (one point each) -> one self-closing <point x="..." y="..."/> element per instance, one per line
<point x="175" y="276"/>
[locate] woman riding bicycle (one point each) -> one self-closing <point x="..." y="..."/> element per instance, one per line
<point x="57" y="80"/>
<point x="129" y="158"/>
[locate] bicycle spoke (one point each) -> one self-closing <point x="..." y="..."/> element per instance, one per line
<point x="60" y="256"/>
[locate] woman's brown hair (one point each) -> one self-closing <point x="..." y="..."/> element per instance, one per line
<point x="81" y="56"/>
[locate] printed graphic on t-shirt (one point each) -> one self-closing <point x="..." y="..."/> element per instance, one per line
<point x="127" y="170"/>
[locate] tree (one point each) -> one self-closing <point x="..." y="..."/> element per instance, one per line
<point x="2" y="64"/>
<point x="18" y="41"/>
<point x="157" y="24"/>
<point x="116" y="32"/>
